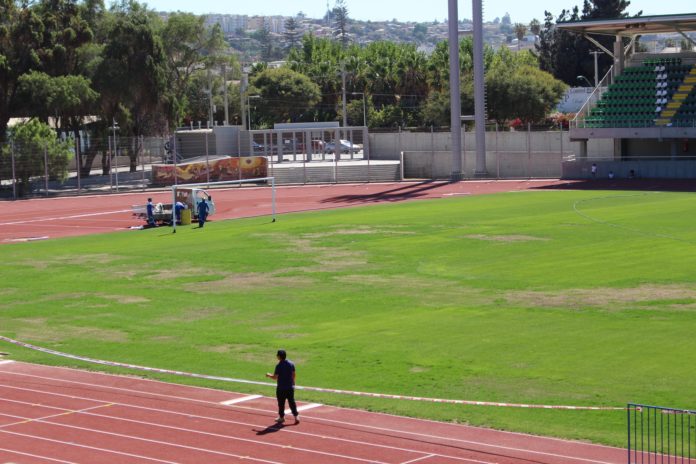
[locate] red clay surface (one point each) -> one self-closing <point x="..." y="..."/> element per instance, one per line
<point x="59" y="415"/>
<point x="70" y="216"/>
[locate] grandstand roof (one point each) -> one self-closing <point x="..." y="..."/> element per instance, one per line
<point x="629" y="27"/>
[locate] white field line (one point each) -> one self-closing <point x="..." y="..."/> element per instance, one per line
<point x="66" y="412"/>
<point x="241" y="400"/>
<point x="226" y="421"/>
<point x="380" y="429"/>
<point x="62" y="218"/>
<point x="70" y="443"/>
<point x="181" y="429"/>
<point x="305" y="407"/>
<point x="45" y="458"/>
<point x="420" y="459"/>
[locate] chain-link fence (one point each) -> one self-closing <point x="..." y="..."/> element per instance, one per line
<point x="76" y="166"/>
<point x="334" y="155"/>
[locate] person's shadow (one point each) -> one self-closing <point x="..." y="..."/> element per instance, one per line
<point x="272" y="428"/>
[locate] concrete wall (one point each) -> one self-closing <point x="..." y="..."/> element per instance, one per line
<point x="388" y="146"/>
<point x="438" y="165"/>
<point x="682" y="169"/>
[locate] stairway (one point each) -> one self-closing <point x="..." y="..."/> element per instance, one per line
<point x="678" y="98"/>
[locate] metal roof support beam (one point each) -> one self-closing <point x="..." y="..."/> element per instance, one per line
<point x="598" y="45"/>
<point x="630" y="44"/>
<point x="691" y="41"/>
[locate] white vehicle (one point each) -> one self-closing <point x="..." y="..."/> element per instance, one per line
<point x="190" y="197"/>
<point x="344" y="145"/>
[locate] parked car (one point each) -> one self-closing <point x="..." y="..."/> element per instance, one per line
<point x="345" y="146"/>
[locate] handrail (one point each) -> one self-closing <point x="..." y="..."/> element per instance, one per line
<point x="594" y="97"/>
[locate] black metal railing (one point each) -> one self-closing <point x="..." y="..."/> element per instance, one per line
<point x="659" y="435"/>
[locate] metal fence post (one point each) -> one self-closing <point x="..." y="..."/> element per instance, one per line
<point x="497" y="153"/>
<point x="46" y="167"/>
<point x="78" y="162"/>
<point x="14" y="174"/>
<point x="207" y="160"/>
<point x="116" y="161"/>
<point x="529" y="150"/>
<point x="141" y="154"/>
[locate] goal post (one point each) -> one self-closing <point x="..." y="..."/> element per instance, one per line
<point x="229" y="183"/>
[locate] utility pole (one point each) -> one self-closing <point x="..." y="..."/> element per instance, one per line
<point x="596" y="69"/>
<point x="242" y="91"/>
<point x="210" y="96"/>
<point x="224" y="85"/>
<point x="455" y="102"/>
<point x="479" y="90"/>
<point x="343" y="81"/>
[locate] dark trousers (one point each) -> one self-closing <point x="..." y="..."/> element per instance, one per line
<point x="283" y="394"/>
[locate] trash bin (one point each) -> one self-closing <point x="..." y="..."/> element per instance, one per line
<point x="185" y="217"/>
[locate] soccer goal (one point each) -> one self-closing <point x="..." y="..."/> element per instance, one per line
<point x="191" y="194"/>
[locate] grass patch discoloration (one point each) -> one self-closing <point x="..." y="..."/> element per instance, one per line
<point x="584" y="298"/>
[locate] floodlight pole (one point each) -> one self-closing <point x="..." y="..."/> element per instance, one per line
<point x="455" y="97"/>
<point x="479" y="90"/>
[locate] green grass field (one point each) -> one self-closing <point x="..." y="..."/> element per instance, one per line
<point x="571" y="297"/>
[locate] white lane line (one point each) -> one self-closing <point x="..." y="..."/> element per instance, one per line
<point x="420" y="459"/>
<point x="208" y="389"/>
<point x="45" y="458"/>
<point x="70" y="443"/>
<point x="153" y="425"/>
<point x="241" y="400"/>
<point x="305" y="407"/>
<point x="247" y="424"/>
<point x="160" y="442"/>
<point x="8" y="361"/>
<point x="380" y="429"/>
<point x="62" y="218"/>
<point x="67" y="412"/>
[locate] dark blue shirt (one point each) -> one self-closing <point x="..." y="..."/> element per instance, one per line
<point x="203" y="208"/>
<point x="284" y="370"/>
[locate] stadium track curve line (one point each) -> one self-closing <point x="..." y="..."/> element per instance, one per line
<point x="377" y="437"/>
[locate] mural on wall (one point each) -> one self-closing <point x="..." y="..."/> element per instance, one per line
<point x="248" y="167"/>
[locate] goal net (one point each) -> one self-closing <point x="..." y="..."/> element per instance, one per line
<point x="189" y="195"/>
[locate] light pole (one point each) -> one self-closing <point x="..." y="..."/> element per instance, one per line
<point x="596" y="69"/>
<point x="249" y="97"/>
<point x="364" y="106"/>
<point x="583" y="78"/>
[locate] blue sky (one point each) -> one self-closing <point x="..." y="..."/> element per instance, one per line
<point x="406" y="10"/>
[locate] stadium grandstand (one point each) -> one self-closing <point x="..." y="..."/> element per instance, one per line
<point x="646" y="103"/>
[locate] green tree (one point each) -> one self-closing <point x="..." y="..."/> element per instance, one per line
<point x="188" y="46"/>
<point x="520" y="32"/>
<point x="286" y="96"/>
<point x="535" y="27"/>
<point x="517" y="88"/>
<point x="341" y="20"/>
<point x="68" y="98"/>
<point x="292" y="34"/>
<point x="132" y="76"/>
<point x="567" y="55"/>
<point x="21" y="34"/>
<point x="32" y="144"/>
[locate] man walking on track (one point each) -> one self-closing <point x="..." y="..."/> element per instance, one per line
<point x="285" y="375"/>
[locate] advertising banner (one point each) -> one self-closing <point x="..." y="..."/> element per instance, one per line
<point x="248" y="167"/>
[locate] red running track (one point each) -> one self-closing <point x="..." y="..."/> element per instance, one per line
<point x="58" y="415"/>
<point x="69" y="216"/>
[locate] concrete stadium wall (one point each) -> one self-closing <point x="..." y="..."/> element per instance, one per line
<point x="438" y="165"/>
<point x="388" y="146"/>
<point x="653" y="169"/>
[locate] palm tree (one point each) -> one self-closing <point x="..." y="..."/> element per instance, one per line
<point x="520" y="32"/>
